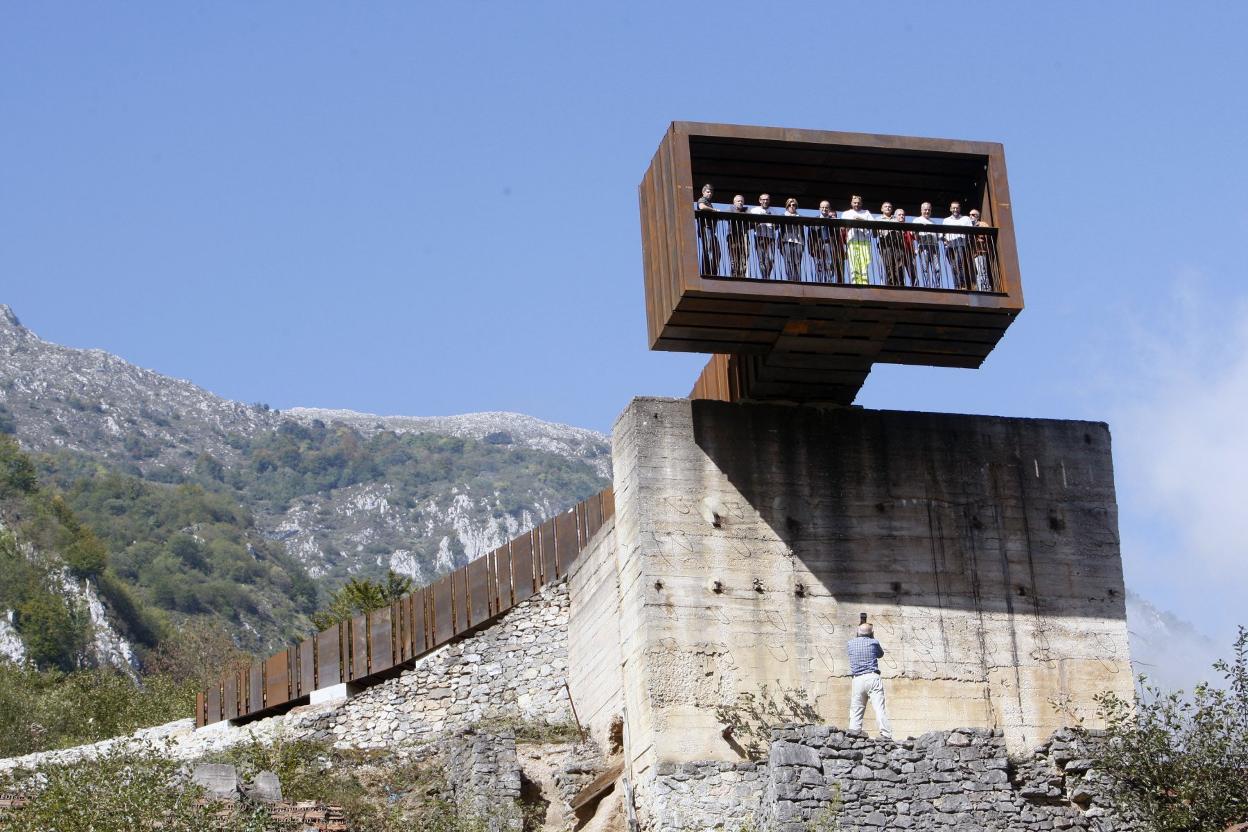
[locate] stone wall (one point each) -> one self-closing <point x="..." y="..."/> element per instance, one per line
<point x="750" y="537"/>
<point x="818" y="777"/>
<point x="511" y="670"/>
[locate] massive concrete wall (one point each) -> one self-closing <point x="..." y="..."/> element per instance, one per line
<point x="749" y="538"/>
<point x="594" y="672"/>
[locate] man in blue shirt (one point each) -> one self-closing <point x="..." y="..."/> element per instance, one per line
<point x="864" y="653"/>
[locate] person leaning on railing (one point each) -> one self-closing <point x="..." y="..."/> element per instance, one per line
<point x="827" y="249"/>
<point x="928" y="249"/>
<point x="738" y="239"/>
<point x="981" y="251"/>
<point x="956" y="248"/>
<point x="892" y="248"/>
<point x="764" y="238"/>
<point x="792" y="242"/>
<point x="905" y="245"/>
<point x="706" y="232"/>
<point x="858" y="243"/>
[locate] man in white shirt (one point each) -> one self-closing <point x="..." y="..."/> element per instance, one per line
<point x="738" y="239"/>
<point x="826" y="249"/>
<point x="858" y="243"/>
<point x="957" y="247"/>
<point x="928" y="248"/>
<point x="764" y="238"/>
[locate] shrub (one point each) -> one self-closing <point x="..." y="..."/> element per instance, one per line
<point x="1180" y="763"/>
<point x="119" y="791"/>
<point x="41" y="710"/>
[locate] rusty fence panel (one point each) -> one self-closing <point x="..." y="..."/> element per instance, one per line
<point x="277" y="679"/>
<point x="582" y="525"/>
<point x="522" y="571"/>
<point x="380" y="641"/>
<point x="478" y="577"/>
<point x="502" y="573"/>
<point x="443" y="620"/>
<point x="413" y="625"/>
<point x="460" y="583"/>
<point x="548" y="533"/>
<point x="593" y="517"/>
<point x="421" y="640"/>
<point x="230" y="696"/>
<point x="358" y="627"/>
<point x="255" y="687"/>
<point x="329" y="670"/>
<point x="399" y="612"/>
<point x="307" y="666"/>
<point x="566" y="545"/>
<point x="212" y="705"/>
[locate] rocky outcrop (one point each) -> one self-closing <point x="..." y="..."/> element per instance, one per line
<point x="57" y="398"/>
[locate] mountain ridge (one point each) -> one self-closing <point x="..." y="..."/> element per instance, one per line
<point x="346" y="494"/>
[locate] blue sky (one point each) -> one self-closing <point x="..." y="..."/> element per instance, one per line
<point x="430" y="209"/>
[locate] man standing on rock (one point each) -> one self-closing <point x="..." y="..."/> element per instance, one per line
<point x="864" y="651"/>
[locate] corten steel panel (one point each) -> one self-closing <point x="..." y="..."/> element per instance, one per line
<point x="307" y="666"/>
<point x="329" y="655"/>
<point x="401" y="612"/>
<point x="478" y="591"/>
<point x="277" y="679"/>
<point x="502" y="572"/>
<point x="593" y="515"/>
<point x="292" y="672"/>
<point x="460" y="584"/>
<point x="812" y="165"/>
<point x="213" y="711"/>
<point x="230" y="696"/>
<point x="545" y="549"/>
<point x="608" y="503"/>
<point x="523" y="573"/>
<point x="255" y="687"/>
<point x="582" y="525"/>
<point x="380" y="640"/>
<point x="359" y="647"/>
<point x="419" y="622"/>
<point x="567" y="541"/>
<point x="199" y="710"/>
<point x="443" y="620"/>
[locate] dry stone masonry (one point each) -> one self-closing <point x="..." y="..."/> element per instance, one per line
<point x="821" y="777"/>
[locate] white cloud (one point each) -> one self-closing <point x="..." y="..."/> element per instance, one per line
<point x="1181" y="454"/>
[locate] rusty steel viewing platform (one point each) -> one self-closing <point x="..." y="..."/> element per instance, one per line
<point x="792" y="308"/>
<point x="788" y="310"/>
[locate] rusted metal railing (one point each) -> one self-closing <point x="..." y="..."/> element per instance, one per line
<point x="368" y="646"/>
<point x="807" y="249"/>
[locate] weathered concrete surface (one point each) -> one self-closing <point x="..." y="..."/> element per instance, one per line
<point x="749" y="538"/>
<point x="594" y="658"/>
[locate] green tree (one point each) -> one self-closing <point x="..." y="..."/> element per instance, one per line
<point x="1180" y="763"/>
<point x="360" y="596"/>
<point x="54" y="630"/>
<point x="17" y="473"/>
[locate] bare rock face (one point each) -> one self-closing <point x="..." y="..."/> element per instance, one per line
<point x="55" y="398"/>
<point x="93" y="402"/>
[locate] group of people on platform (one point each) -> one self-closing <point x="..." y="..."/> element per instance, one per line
<point x="909" y="257"/>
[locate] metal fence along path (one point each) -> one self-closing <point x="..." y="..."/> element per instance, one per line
<point x="368" y="647"/>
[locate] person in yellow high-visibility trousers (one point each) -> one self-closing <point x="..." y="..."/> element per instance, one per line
<point x="859" y="243"/>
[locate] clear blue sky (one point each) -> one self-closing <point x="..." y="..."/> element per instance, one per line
<point x="431" y="208"/>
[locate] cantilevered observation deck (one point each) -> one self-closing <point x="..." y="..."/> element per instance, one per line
<point x="807" y="319"/>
